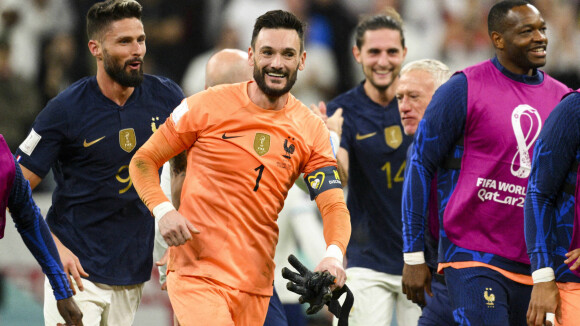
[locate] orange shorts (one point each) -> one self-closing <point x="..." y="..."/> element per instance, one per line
<point x="570" y="296"/>
<point x="204" y="301"/>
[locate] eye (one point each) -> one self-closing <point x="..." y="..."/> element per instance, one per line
<point x="393" y="51"/>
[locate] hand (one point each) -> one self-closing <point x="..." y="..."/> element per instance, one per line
<point x="573" y="255"/>
<point x="334" y="122"/>
<point x="70" y="312"/>
<point x="334" y="267"/>
<point x="162" y="262"/>
<point x="72" y="265"/>
<point x="417" y="281"/>
<point x="176" y="229"/>
<point x="314" y="288"/>
<point x="545" y="298"/>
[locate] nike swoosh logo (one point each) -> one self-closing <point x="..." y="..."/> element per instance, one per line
<point x="365" y="136"/>
<point x="229" y="137"/>
<point x="85" y="144"/>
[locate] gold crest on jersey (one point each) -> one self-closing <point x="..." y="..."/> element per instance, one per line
<point x="127" y="139"/>
<point x="393" y="136"/>
<point x="261" y="143"/>
<point x="489" y="297"/>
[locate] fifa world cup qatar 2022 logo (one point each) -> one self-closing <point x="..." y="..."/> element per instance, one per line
<point x="526" y="123"/>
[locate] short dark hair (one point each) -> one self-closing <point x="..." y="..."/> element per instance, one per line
<point x="497" y="14"/>
<point x="103" y="13"/>
<point x="389" y="20"/>
<point x="279" y="19"/>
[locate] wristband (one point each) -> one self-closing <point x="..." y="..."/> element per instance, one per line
<point x="160" y="210"/>
<point x="334" y="252"/>
<point x="414" y="258"/>
<point x="334" y="142"/>
<point x="545" y="274"/>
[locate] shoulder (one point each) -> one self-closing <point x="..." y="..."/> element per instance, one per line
<point x="346" y="100"/>
<point x="162" y="85"/>
<point x="80" y="94"/>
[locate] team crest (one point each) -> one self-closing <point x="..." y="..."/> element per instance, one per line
<point x="261" y="143"/>
<point x="393" y="136"/>
<point x="127" y="139"/>
<point x="489" y="297"/>
<point x="316" y="180"/>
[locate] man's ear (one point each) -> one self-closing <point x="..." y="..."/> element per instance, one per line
<point x="497" y="40"/>
<point x="250" y="56"/>
<point x="95" y="49"/>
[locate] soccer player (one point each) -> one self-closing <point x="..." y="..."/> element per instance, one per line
<point x="88" y="134"/>
<point x="15" y="194"/>
<point x="551" y="217"/>
<point x="418" y="82"/>
<point x="371" y="159"/>
<point x="246" y="145"/>
<point x="484" y="121"/>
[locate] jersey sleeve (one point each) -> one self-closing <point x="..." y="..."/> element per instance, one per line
<point x="42" y="146"/>
<point x="554" y="154"/>
<point x="36" y="235"/>
<point x="442" y="125"/>
<point x="320" y="172"/>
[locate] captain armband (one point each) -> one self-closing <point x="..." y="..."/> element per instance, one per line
<point x="321" y="180"/>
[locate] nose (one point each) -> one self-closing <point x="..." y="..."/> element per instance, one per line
<point x="138" y="48"/>
<point x="539" y="36"/>
<point x="276" y="61"/>
<point x="383" y="59"/>
<point x="404" y="105"/>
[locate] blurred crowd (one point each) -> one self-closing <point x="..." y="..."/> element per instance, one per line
<point x="42" y="43"/>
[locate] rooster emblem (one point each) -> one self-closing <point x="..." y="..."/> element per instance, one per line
<point x="289" y="149"/>
<point x="490" y="297"/>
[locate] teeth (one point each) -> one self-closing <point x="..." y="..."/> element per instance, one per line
<point x="275" y="75"/>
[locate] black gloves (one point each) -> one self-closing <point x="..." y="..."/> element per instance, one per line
<point x="314" y="288"/>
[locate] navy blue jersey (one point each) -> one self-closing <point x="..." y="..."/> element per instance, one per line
<point x="436" y="139"/>
<point x="88" y="141"/>
<point x="549" y="211"/>
<point x="373" y="136"/>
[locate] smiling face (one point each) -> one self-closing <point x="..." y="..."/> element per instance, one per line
<point x="381" y="56"/>
<point x="523" y="43"/>
<point x="123" y="48"/>
<point x="276" y="58"/>
<point x="414" y="92"/>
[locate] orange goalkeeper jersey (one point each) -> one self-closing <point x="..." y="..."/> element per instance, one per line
<point x="241" y="162"/>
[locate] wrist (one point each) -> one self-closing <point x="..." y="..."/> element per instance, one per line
<point x="414" y="258"/>
<point x="545" y="274"/>
<point x="334" y="252"/>
<point x="160" y="210"/>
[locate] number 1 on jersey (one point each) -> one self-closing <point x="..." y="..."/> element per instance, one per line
<point x="261" y="169"/>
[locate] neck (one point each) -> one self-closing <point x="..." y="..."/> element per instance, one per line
<point x="381" y="96"/>
<point x="264" y="101"/>
<point x="113" y="90"/>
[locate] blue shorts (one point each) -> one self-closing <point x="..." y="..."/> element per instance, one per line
<point x="438" y="311"/>
<point x="276" y="315"/>
<point x="482" y="296"/>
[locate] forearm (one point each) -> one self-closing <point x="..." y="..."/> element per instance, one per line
<point x="538" y="228"/>
<point x="144" y="167"/>
<point x="36" y="235"/>
<point x="335" y="218"/>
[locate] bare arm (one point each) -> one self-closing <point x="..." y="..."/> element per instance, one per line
<point x="31" y="177"/>
<point x="342" y="162"/>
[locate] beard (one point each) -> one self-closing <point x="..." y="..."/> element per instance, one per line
<point x="118" y="72"/>
<point x="260" y="78"/>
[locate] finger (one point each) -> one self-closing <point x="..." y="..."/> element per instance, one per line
<point x="297" y="288"/>
<point x="338" y="113"/>
<point x="72" y="287"/>
<point x="78" y="280"/>
<point x="575" y="265"/>
<point x="294" y="277"/>
<point x="315" y="109"/>
<point x="428" y="288"/>
<point x="420" y="297"/>
<point x="558" y="314"/>
<point x="303" y="270"/>
<point x="164" y="286"/>
<point x="163" y="260"/>
<point x="191" y="227"/>
<point x="322" y="107"/>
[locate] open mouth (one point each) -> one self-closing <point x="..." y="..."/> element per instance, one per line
<point x="135" y="64"/>
<point x="539" y="51"/>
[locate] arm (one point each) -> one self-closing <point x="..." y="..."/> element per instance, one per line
<point x="144" y="169"/>
<point x="71" y="263"/>
<point x="554" y="154"/>
<point x="442" y="125"/>
<point x="36" y="235"/>
<point x="337" y="229"/>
